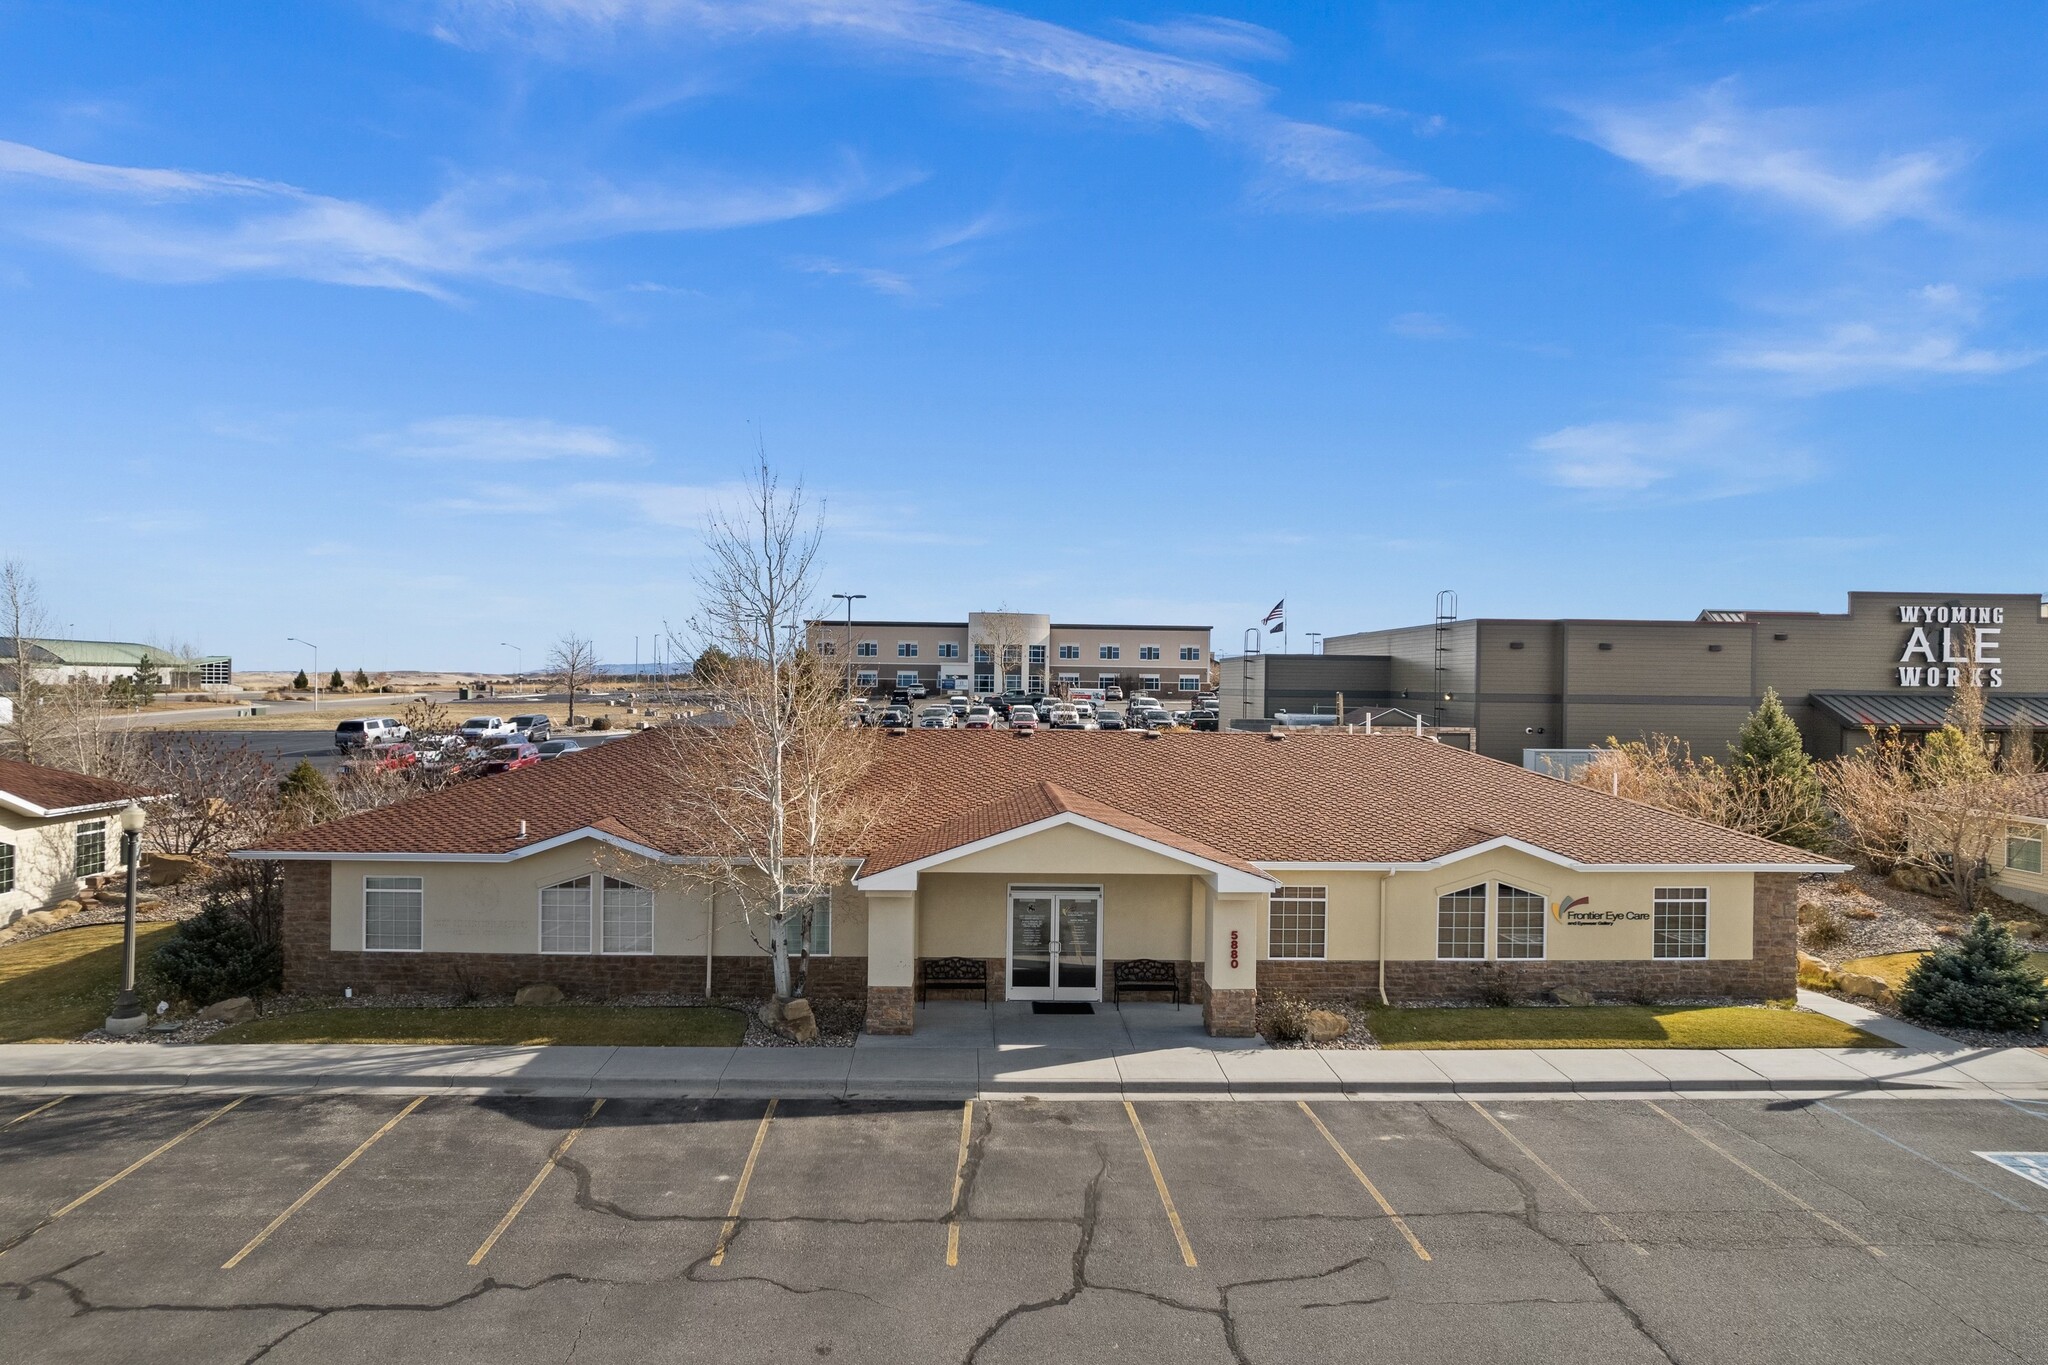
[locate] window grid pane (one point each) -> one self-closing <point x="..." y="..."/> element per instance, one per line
<point x="2023" y="852"/>
<point x="1461" y="923"/>
<point x="821" y="930"/>
<point x="1295" y="921"/>
<point x="628" y="917"/>
<point x="1678" y="923"/>
<point x="392" y="914"/>
<point x="90" y="846"/>
<point x="565" y="917"/>
<point x="6" y="867"/>
<point x="1518" y="923"/>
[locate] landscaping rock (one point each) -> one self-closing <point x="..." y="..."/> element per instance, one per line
<point x="238" y="1010"/>
<point x="1816" y="975"/>
<point x="65" y="909"/>
<point x="770" y="1012"/>
<point x="171" y="869"/>
<point x="1809" y="913"/>
<point x="1572" y="995"/>
<point x="796" y="1009"/>
<point x="543" y="993"/>
<point x="1326" y="1026"/>
<point x="1860" y="987"/>
<point x="804" y="1029"/>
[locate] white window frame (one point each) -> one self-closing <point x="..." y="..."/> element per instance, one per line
<point x="1190" y="682"/>
<point x="1191" y="654"/>
<point x="906" y="649"/>
<point x="828" y="648"/>
<point x="589" y="916"/>
<point x="1106" y="653"/>
<point x="1485" y="890"/>
<point x="821" y="913"/>
<point x="1704" y="898"/>
<point x="78" y="833"/>
<point x="867" y="678"/>
<point x="1070" y="679"/>
<point x="948" y="649"/>
<point x="1148" y="652"/>
<point x="1317" y="896"/>
<point x="907" y="677"/>
<point x="1035" y="654"/>
<point x="418" y="889"/>
<point x="1070" y="651"/>
<point x="1109" y="680"/>
<point x="867" y="649"/>
<point x="1542" y="900"/>
<point x="1148" y="682"/>
<point x="2024" y="834"/>
<point x="984" y="682"/>
<point x="6" y="867"/>
<point x="604" y="912"/>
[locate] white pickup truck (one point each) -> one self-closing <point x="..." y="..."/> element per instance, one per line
<point x="480" y="729"/>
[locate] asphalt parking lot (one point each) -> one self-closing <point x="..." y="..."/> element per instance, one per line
<point x="182" y="1227"/>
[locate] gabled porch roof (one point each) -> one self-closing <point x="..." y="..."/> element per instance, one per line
<point x="1034" y="808"/>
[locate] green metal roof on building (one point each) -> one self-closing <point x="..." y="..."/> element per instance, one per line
<point x="96" y="653"/>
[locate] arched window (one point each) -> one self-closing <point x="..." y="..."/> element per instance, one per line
<point x="565" y="917"/>
<point x="1461" y="923"/>
<point x="628" y="917"/>
<point x="1518" y="922"/>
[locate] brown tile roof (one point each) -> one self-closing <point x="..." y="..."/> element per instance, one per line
<point x="55" y="789"/>
<point x="1311" y="797"/>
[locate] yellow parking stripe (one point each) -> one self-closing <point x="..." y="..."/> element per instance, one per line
<point x="1414" y="1243"/>
<point x="1739" y="1164"/>
<point x="114" y="1180"/>
<point x="322" y="1183"/>
<point x="533" y="1186"/>
<point x="18" y="1118"/>
<point x="1562" y="1183"/>
<point x="959" y="1175"/>
<point x="739" y="1195"/>
<point x="1187" y="1253"/>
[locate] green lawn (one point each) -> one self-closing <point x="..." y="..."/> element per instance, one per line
<point x="1614" y="1026"/>
<point x="58" y="986"/>
<point x="1891" y="968"/>
<point x="586" y="1025"/>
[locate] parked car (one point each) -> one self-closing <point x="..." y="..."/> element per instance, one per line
<point x="899" y="697"/>
<point x="357" y="734"/>
<point x="555" y="748"/>
<point x="481" y="729"/>
<point x="1064" y="718"/>
<point x="1156" y="718"/>
<point x="505" y="758"/>
<point x="1112" y="693"/>
<point x="383" y="758"/>
<point x="896" y="718"/>
<point x="1206" y="701"/>
<point x="960" y="703"/>
<point x="442" y="751"/>
<point x="918" y="691"/>
<point x="935" y="720"/>
<point x="1109" y="720"/>
<point x="1207" y="720"/>
<point x="980" y="716"/>
<point x="534" y="727"/>
<point x="1024" y="720"/>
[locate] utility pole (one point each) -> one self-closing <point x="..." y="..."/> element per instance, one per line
<point x="849" y="598"/>
<point x="316" y="666"/>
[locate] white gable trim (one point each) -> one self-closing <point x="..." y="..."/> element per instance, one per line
<point x="904" y="876"/>
<point x="1570" y="864"/>
<point x="22" y="805"/>
<point x="523" y="851"/>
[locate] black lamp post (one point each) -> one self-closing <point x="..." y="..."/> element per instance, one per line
<point x="128" y="1016"/>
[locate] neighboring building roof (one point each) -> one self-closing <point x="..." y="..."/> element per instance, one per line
<point x="99" y="653"/>
<point x="43" y="792"/>
<point x="1929" y="710"/>
<point x="1309" y="798"/>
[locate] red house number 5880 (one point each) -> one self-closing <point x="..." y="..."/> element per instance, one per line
<point x="1233" y="948"/>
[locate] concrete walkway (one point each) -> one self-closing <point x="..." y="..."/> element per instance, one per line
<point x="962" y="1051"/>
<point x="1892" y="1030"/>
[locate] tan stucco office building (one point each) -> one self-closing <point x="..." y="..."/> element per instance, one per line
<point x="997" y="651"/>
<point x="58" y="833"/>
<point x="1368" y="866"/>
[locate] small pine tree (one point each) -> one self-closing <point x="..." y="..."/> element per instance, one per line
<point x="335" y="682"/>
<point x="304" y="798"/>
<point x="1770" y="758"/>
<point x="147" y="682"/>
<point x="1982" y="980"/>
<point x="300" y="682"/>
<point x="362" y="681"/>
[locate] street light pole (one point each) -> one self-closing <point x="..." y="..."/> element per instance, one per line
<point x="128" y="1016"/>
<point x="316" y="666"/>
<point x="519" y="658"/>
<point x="849" y="598"/>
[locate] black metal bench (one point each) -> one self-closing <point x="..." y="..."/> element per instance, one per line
<point x="1144" y="974"/>
<point x="954" y="974"/>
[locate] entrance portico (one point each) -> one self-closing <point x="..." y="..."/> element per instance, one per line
<point x="1053" y="893"/>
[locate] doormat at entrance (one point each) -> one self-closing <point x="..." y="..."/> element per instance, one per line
<point x="1061" y="1007"/>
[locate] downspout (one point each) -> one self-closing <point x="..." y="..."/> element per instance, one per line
<point x="1384" y="878"/>
<point x="710" y="934"/>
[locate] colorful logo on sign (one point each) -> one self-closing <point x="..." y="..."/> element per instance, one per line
<point x="1558" y="911"/>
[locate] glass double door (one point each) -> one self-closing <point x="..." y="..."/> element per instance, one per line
<point x="1055" y="943"/>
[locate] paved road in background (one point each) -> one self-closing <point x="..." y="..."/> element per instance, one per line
<point x="166" y="720"/>
<point x="282" y="749"/>
<point x="344" y="1228"/>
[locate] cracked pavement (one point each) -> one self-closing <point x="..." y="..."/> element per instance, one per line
<point x="1575" y="1229"/>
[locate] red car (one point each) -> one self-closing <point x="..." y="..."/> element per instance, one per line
<point x="384" y="758"/>
<point x="506" y="758"/>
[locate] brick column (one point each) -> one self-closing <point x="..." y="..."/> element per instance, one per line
<point x="892" y="961"/>
<point x="1231" y="938"/>
<point x="306" y="928"/>
<point x="1774" y="935"/>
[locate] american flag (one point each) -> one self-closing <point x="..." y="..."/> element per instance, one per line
<point x="1277" y="617"/>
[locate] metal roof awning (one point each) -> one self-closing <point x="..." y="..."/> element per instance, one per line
<point x="1928" y="710"/>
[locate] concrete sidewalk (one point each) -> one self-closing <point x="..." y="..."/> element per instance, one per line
<point x="1023" y="1070"/>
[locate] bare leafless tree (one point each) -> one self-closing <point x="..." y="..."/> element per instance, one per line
<point x="217" y="794"/>
<point x="1001" y="635"/>
<point x="572" y="662"/>
<point x="775" y="787"/>
<point x="23" y="618"/>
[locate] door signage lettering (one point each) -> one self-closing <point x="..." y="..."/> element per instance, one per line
<point x="1946" y="641"/>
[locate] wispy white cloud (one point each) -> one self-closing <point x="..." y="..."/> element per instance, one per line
<point x="1425" y="327"/>
<point x="1422" y="125"/>
<point x="179" y="226"/>
<point x="1926" y="335"/>
<point x="1711" y="139"/>
<point x="1030" y="57"/>
<point x="1209" y="35"/>
<point x="890" y="282"/>
<point x="1691" y="455"/>
<point x="503" y="440"/>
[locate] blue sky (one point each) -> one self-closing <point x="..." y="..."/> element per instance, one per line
<point x="413" y="328"/>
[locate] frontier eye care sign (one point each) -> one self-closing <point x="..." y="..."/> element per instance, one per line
<point x="1947" y="640"/>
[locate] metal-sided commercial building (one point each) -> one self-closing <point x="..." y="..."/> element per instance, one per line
<point x="1034" y="651"/>
<point x="1893" y="658"/>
